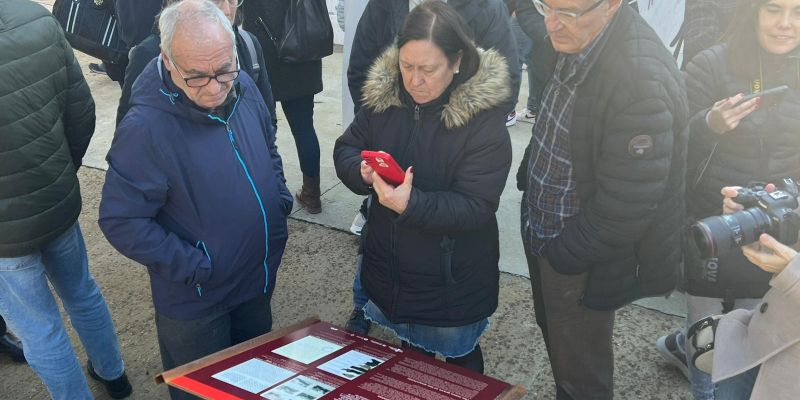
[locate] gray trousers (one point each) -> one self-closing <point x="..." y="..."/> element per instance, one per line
<point x="578" y="339"/>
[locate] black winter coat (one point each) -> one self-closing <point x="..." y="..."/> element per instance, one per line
<point x="381" y="22"/>
<point x="135" y="17"/>
<point x="47" y="122"/>
<point x="289" y="80"/>
<point x="764" y="147"/>
<point x="628" y="233"/>
<point x="437" y="263"/>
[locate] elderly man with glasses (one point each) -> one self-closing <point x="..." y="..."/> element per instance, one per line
<point x="250" y="53"/>
<point x="195" y="189"/>
<point x="603" y="182"/>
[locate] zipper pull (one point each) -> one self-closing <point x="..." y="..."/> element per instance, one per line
<point x="416" y="112"/>
<point x="199" y="290"/>
<point x="233" y="140"/>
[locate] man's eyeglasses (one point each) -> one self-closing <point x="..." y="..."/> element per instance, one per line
<point x="567" y="17"/>
<point x="231" y="3"/>
<point x="200" y="81"/>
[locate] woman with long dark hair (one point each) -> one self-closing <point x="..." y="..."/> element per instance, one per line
<point x="734" y="142"/>
<point x="430" y="247"/>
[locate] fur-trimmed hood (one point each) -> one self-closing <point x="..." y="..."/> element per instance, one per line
<point x="488" y="88"/>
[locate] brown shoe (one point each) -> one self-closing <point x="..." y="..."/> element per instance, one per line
<point x="308" y="196"/>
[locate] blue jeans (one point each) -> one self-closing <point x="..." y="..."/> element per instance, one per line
<point x="449" y="341"/>
<point x="30" y="310"/>
<point x="360" y="297"/>
<point x="698" y="308"/>
<point x="300" y="115"/>
<point x="737" y="387"/>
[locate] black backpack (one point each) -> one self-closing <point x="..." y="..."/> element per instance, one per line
<point x="91" y="27"/>
<point x="307" y="32"/>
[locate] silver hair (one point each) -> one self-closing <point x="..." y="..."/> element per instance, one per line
<point x="196" y="13"/>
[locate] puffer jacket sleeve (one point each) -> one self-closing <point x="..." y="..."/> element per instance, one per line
<point x="474" y="194"/>
<point x="628" y="188"/>
<point x="347" y="152"/>
<point x="134" y="192"/>
<point x="79" y="116"/>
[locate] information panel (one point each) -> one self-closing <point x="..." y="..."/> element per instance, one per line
<point x="316" y="360"/>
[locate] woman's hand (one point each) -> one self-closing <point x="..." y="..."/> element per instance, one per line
<point x="725" y="114"/>
<point x="769" y="254"/>
<point x="394" y="198"/>
<point x="366" y="173"/>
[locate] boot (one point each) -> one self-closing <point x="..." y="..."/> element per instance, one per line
<point x="308" y="196"/>
<point x="11" y="345"/>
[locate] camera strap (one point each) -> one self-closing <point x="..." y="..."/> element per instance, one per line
<point x="705" y="165"/>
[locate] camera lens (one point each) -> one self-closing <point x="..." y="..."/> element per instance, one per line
<point x="716" y="235"/>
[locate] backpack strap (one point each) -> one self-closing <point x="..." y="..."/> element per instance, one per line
<point x="251" y="48"/>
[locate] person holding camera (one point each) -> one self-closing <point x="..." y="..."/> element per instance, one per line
<point x="734" y="141"/>
<point x="756" y="351"/>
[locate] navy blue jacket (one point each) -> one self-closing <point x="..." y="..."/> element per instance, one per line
<point x="180" y="196"/>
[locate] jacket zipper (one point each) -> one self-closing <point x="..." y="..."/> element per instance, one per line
<point x="239" y="158"/>
<point x="394" y="265"/>
<point x="395" y="274"/>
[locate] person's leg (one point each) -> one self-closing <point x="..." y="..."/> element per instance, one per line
<point x="182" y="341"/>
<point x="533" y="92"/>
<point x="357" y="322"/>
<point x="300" y="115"/>
<point x="10" y="344"/>
<point x="696" y="309"/>
<point x="472" y="361"/>
<point x="580" y="346"/>
<point x="738" y="387"/>
<point x="251" y="319"/>
<point x="67" y="267"/>
<point x="31" y="312"/>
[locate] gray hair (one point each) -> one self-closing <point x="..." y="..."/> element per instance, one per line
<point x="198" y="13"/>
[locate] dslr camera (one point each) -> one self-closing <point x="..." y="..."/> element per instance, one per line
<point x="771" y="213"/>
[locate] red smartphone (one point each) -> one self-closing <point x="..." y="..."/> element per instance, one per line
<point x="385" y="166"/>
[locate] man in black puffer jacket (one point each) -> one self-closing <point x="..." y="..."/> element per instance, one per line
<point x="47" y="122"/>
<point x="603" y="209"/>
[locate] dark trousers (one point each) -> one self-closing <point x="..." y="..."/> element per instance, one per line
<point x="183" y="341"/>
<point x="300" y="115"/>
<point x="578" y="339"/>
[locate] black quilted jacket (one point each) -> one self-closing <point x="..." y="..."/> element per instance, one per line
<point x="628" y="233"/>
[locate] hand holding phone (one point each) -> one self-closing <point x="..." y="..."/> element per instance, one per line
<point x="765" y="93"/>
<point x="384" y="165"/>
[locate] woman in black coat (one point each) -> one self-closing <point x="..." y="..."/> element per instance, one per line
<point x="734" y="142"/>
<point x="294" y="86"/>
<point x="430" y="246"/>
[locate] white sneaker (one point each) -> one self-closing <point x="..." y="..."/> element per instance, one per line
<point x="358" y="224"/>
<point x="511" y="119"/>
<point x="527" y="115"/>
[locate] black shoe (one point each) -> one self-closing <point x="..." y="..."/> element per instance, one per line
<point x="12" y="346"/>
<point x="118" y="388"/>
<point x="358" y="323"/>
<point x="98" y="68"/>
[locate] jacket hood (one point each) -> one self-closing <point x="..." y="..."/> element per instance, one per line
<point x="488" y="88"/>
